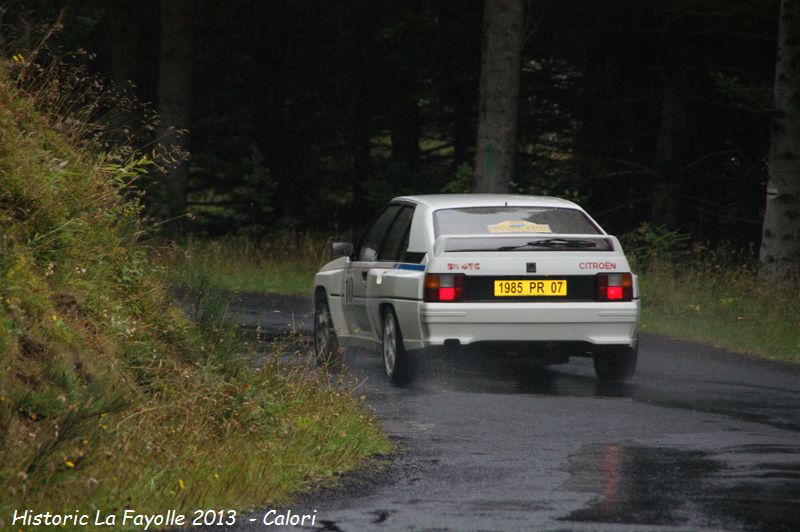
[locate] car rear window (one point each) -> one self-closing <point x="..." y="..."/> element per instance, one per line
<point x="511" y="220"/>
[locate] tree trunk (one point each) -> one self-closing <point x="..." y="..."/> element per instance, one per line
<point x="174" y="95"/>
<point x="405" y="125"/>
<point x="2" y="27"/>
<point x="780" y="244"/>
<point x="360" y="145"/>
<point x="123" y="37"/>
<point x="362" y="77"/>
<point x="670" y="149"/>
<point x="276" y="118"/>
<point x="503" y="38"/>
<point x="463" y="123"/>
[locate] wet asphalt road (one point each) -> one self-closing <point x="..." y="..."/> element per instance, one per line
<point x="700" y="439"/>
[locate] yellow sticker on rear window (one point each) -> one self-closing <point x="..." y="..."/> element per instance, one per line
<point x="519" y="226"/>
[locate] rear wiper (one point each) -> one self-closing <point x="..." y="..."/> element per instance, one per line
<point x="553" y="243"/>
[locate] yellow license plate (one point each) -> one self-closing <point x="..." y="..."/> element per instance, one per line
<point x="538" y="287"/>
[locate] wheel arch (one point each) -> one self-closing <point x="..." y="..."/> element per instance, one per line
<point x="320" y="294"/>
<point x="382" y="308"/>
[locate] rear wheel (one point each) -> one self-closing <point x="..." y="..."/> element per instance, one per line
<point x="395" y="362"/>
<point x="616" y="363"/>
<point x="326" y="345"/>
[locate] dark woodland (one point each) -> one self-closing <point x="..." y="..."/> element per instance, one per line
<point x="308" y="115"/>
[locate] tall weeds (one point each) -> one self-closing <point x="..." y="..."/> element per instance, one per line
<point x="109" y="395"/>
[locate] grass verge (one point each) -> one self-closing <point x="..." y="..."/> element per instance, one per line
<point x="725" y="306"/>
<point x="282" y="265"/>
<point x="110" y="397"/>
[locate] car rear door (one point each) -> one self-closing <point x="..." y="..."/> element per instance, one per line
<point x="355" y="278"/>
<point x="382" y="284"/>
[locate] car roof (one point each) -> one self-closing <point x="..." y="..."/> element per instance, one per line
<point x="453" y="201"/>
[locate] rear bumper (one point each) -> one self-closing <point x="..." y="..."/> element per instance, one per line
<point x="467" y="323"/>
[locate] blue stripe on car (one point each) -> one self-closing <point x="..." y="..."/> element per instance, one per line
<point x="415" y="267"/>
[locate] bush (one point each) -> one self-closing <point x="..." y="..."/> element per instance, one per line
<point x="651" y="245"/>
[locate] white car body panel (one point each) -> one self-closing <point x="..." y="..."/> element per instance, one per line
<point x="357" y="315"/>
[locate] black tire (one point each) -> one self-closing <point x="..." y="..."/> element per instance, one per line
<point x="395" y="361"/>
<point x="615" y="363"/>
<point x="326" y="345"/>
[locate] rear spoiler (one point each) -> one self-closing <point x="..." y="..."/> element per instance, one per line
<point x="442" y="242"/>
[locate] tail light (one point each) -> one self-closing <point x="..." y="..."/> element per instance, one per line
<point x="614" y="287"/>
<point x="444" y="288"/>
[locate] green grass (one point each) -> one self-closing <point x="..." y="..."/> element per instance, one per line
<point x="724" y="306"/>
<point x="282" y="265"/>
<point x="109" y="396"/>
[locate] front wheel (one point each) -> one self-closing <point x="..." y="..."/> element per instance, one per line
<point x="326" y="345"/>
<point x="394" y="356"/>
<point x="616" y="363"/>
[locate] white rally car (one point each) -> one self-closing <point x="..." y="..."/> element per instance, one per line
<point x="526" y="274"/>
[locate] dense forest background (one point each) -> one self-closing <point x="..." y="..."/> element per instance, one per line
<point x="307" y="115"/>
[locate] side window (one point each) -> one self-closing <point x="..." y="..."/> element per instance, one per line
<point x="371" y="241"/>
<point x="396" y="242"/>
